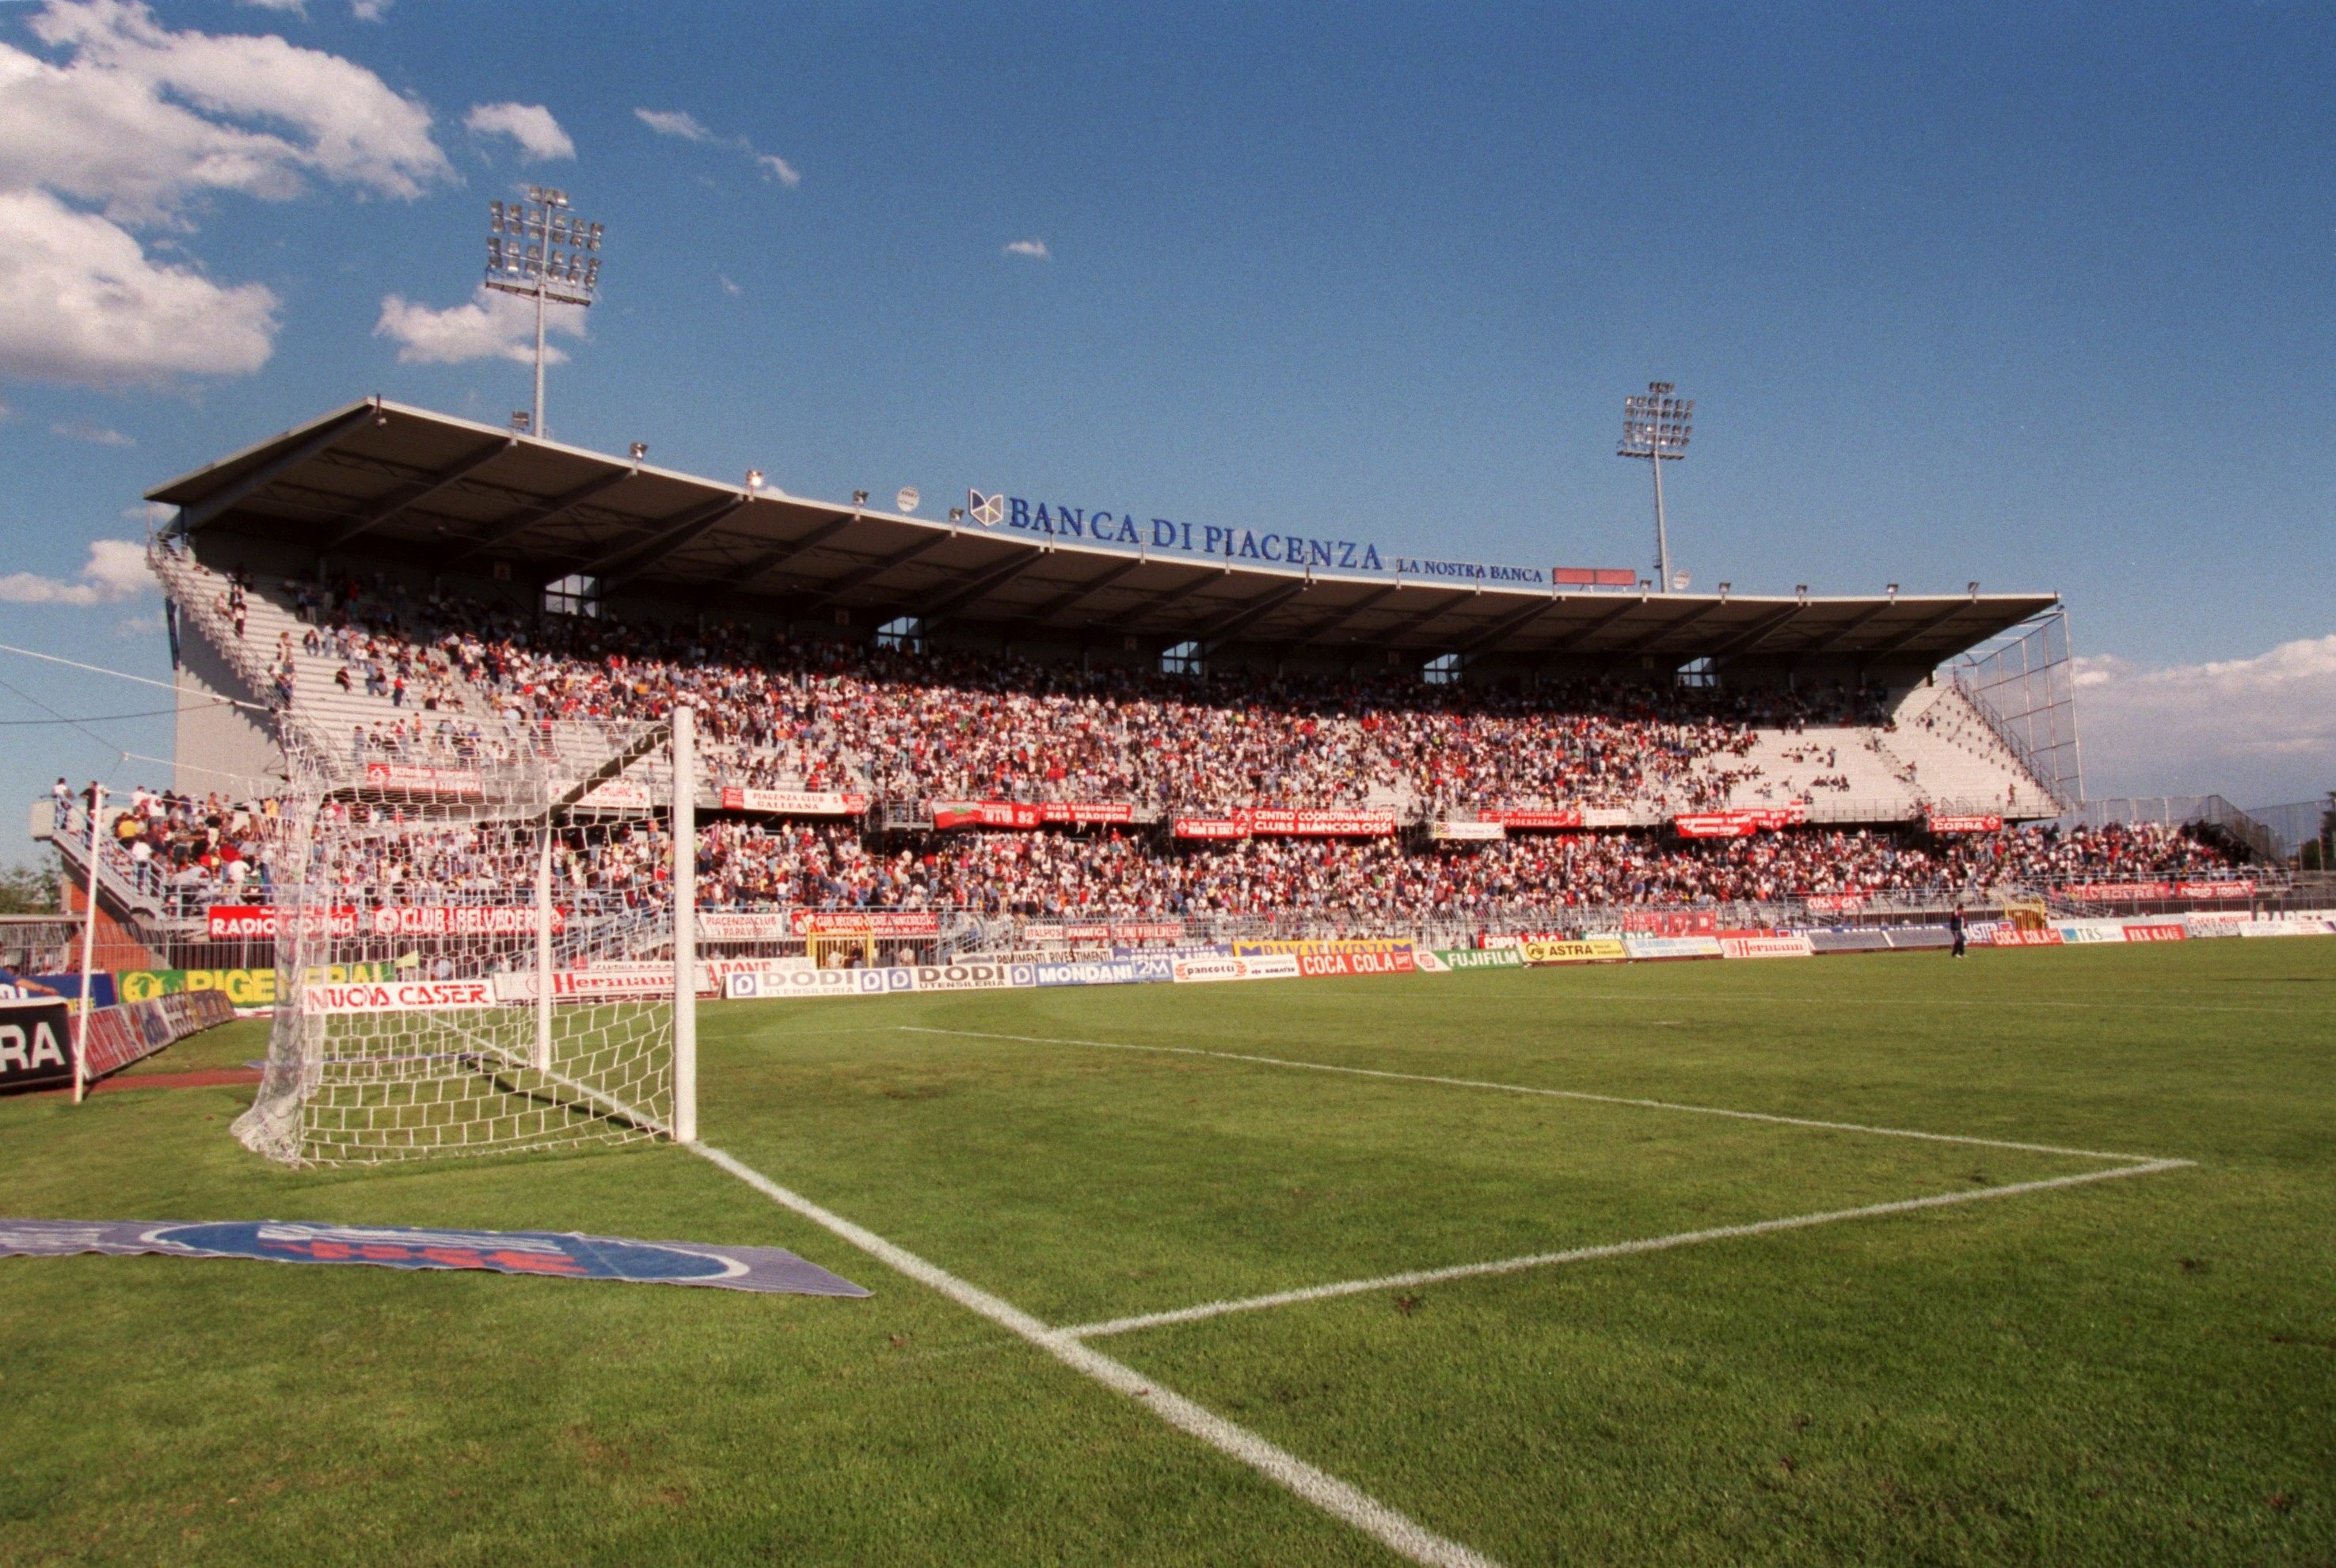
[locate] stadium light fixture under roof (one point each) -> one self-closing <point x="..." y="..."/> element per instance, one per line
<point x="1655" y="429"/>
<point x="538" y="249"/>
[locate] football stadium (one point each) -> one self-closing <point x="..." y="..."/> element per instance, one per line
<point x="1163" y="1042"/>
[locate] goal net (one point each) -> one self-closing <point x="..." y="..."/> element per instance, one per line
<point x="477" y="946"/>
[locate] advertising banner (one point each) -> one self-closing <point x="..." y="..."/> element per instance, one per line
<point x="36" y="1044"/>
<point x="1586" y="950"/>
<point x="1715" y="825"/>
<point x="246" y="988"/>
<point x="864" y="923"/>
<point x="1265" y="967"/>
<point x="1660" y="947"/>
<point x="2239" y="889"/>
<point x="794" y="802"/>
<point x="257" y="922"/>
<point x="1106" y="972"/>
<point x="359" y="997"/>
<point x="1921" y="937"/>
<point x="2154" y="931"/>
<point x="1366" y="961"/>
<point x="1457" y="958"/>
<point x="541" y="1253"/>
<point x="1672" y="923"/>
<point x="950" y="816"/>
<point x="1536" y="820"/>
<point x="974" y="977"/>
<point x="1466" y="832"/>
<point x="2079" y="932"/>
<point x="1786" y="945"/>
<point x="732" y="926"/>
<point x="1980" y="823"/>
<point x="746" y="985"/>
<point x="2282" y="926"/>
<point x="2006" y="935"/>
<point x="1324" y="945"/>
<point x="1849" y="941"/>
<point x="406" y="779"/>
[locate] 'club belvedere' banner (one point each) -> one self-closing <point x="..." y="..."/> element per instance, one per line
<point x="2099" y="893"/>
<point x="259" y="922"/>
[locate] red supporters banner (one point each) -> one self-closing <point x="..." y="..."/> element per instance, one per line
<point x="1288" y="822"/>
<point x="723" y="926"/>
<point x="1466" y="832"/>
<point x="433" y="781"/>
<point x="794" y="802"/>
<point x="1986" y="823"/>
<point x="1555" y="820"/>
<point x="258" y="922"/>
<point x="953" y="814"/>
<point x="1113" y="932"/>
<point x="2095" y="892"/>
<point x="1671" y="922"/>
<point x="1716" y="826"/>
<point x="1791" y="814"/>
<point x="2217" y="889"/>
<point x="1836" y="904"/>
<point x="874" y="923"/>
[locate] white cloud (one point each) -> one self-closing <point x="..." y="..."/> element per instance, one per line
<point x="690" y="128"/>
<point x="134" y="626"/>
<point x="80" y="303"/>
<point x="370" y="10"/>
<point x="95" y="434"/>
<point x="297" y="7"/>
<point x="493" y="325"/>
<point x="728" y="288"/>
<point x="141" y="124"/>
<point x="1034" y="248"/>
<point x="152" y="513"/>
<point x="2253" y="729"/>
<point x="116" y="571"/>
<point x="530" y="125"/>
<point x="675" y="123"/>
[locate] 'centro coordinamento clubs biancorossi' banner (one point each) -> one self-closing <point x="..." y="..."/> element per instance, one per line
<point x="1287" y="822"/>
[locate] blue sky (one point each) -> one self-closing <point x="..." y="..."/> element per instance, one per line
<point x="2006" y="294"/>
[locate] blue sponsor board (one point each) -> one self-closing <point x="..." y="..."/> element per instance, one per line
<point x="545" y="1253"/>
<point x="1106" y="972"/>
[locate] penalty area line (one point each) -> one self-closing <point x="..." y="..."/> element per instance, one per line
<point x="1553" y="1094"/>
<point x="1396" y="1531"/>
<point x="1610" y="1250"/>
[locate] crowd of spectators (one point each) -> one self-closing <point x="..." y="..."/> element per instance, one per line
<point x="902" y="723"/>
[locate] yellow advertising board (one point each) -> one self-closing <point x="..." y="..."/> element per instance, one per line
<point x="245" y="988"/>
<point x="1591" y="950"/>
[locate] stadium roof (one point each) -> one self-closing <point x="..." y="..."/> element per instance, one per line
<point x="378" y="477"/>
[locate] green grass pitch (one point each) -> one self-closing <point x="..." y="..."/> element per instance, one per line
<point x="2136" y="1370"/>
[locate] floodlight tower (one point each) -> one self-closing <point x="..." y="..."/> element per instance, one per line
<point x="538" y="247"/>
<point x="1655" y="428"/>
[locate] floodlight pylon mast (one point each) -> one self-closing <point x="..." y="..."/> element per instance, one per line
<point x="1655" y="427"/>
<point x="538" y="247"/>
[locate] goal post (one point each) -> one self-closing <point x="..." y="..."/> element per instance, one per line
<point x="484" y="947"/>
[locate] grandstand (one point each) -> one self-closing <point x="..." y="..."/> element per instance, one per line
<point x="996" y="724"/>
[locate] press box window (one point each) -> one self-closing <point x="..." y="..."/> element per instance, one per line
<point x="1184" y="658"/>
<point x="907" y="633"/>
<point x="573" y="595"/>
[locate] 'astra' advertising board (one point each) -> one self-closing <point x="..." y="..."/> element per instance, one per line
<point x="36" y="1044"/>
<point x="1585" y="950"/>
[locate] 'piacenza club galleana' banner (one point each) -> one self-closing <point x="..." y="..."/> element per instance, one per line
<point x="1233" y="543"/>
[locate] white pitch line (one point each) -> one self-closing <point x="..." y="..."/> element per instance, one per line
<point x="1398" y="1533"/>
<point x="1611" y="1249"/>
<point x="1551" y="1094"/>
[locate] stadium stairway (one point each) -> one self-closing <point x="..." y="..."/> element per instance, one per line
<point x="1962" y="764"/>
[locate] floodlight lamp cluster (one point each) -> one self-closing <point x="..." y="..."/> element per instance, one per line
<point x="538" y="245"/>
<point x="1655" y="426"/>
